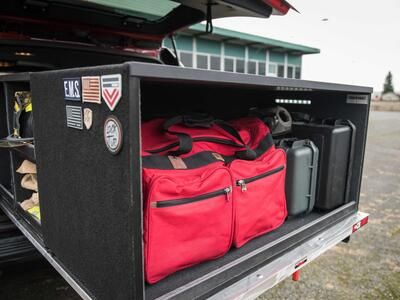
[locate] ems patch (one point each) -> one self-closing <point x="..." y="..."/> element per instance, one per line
<point x="88" y="118"/>
<point x="111" y="89"/>
<point x="74" y="117"/>
<point x="72" y="89"/>
<point x="91" y="89"/>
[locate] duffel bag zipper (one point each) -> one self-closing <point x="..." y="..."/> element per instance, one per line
<point x="243" y="182"/>
<point x="203" y="197"/>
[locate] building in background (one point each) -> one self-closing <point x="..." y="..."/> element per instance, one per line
<point x="232" y="51"/>
<point x="391" y="96"/>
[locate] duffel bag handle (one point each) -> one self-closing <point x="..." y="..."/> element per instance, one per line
<point x="204" y="121"/>
<point x="185" y="140"/>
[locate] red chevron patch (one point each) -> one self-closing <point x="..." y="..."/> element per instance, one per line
<point x="111" y="90"/>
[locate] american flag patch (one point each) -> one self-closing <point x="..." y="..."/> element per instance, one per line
<point x="91" y="89"/>
<point x="74" y="116"/>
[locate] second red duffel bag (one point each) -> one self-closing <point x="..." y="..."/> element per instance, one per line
<point x="259" y="195"/>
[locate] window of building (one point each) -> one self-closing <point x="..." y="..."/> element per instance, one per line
<point x="202" y="61"/>
<point x="239" y="66"/>
<point x="229" y="64"/>
<point x="281" y="71"/>
<point x="273" y="69"/>
<point x="186" y="59"/>
<point x="261" y="68"/>
<point x="297" y="74"/>
<point x="215" y="63"/>
<point x="252" y="67"/>
<point x="290" y="72"/>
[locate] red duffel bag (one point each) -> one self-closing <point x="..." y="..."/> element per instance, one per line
<point x="197" y="204"/>
<point x="259" y="195"/>
<point x="189" y="134"/>
<point x="188" y="218"/>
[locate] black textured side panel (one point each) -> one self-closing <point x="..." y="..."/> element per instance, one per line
<point x="5" y="173"/>
<point x="89" y="204"/>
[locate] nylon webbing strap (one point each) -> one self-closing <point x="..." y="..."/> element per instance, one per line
<point x="185" y="140"/>
<point x="205" y="121"/>
<point x="192" y="162"/>
<point x="202" y="158"/>
<point x="266" y="143"/>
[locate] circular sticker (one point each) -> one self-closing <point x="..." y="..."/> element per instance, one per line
<point x="113" y="134"/>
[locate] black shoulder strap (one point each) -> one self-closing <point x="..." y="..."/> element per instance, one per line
<point x="164" y="162"/>
<point x="202" y="120"/>
<point x="185" y="140"/>
<point x="197" y="160"/>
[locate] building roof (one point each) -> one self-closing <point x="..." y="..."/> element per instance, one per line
<point x="226" y="35"/>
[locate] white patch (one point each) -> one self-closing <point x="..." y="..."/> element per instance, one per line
<point x="111" y="90"/>
<point x="357" y="99"/>
<point x="88" y="118"/>
<point x="113" y="136"/>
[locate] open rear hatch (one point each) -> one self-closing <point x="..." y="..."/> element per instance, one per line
<point x="120" y="24"/>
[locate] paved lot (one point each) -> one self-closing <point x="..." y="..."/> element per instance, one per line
<point x="367" y="268"/>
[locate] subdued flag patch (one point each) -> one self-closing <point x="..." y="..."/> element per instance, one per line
<point x="91" y="89"/>
<point x="74" y="117"/>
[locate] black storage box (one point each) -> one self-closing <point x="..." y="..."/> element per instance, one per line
<point x="334" y="140"/>
<point x="91" y="198"/>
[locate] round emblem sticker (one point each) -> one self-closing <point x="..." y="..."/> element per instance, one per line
<point x="113" y="134"/>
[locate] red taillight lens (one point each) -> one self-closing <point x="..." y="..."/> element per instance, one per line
<point x="280" y="6"/>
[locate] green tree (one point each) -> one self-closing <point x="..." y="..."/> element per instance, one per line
<point x="388" y="85"/>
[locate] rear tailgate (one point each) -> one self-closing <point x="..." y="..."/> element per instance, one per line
<point x="120" y="23"/>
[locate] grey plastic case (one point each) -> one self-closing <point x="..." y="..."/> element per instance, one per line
<point x="301" y="175"/>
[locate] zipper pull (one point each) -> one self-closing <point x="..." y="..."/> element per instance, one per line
<point x="227" y="191"/>
<point x="242" y="185"/>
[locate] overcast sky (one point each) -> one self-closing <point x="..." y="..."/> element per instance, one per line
<point x="359" y="42"/>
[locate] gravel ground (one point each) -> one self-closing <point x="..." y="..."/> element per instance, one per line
<point x="367" y="268"/>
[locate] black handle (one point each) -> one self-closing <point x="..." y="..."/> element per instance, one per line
<point x="185" y="140"/>
<point x="204" y="121"/>
<point x="351" y="155"/>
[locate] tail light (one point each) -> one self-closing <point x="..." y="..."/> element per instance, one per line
<point x="280" y="7"/>
<point x="360" y="224"/>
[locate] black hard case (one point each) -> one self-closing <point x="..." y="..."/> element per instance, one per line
<point x="301" y="175"/>
<point x="334" y="140"/>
